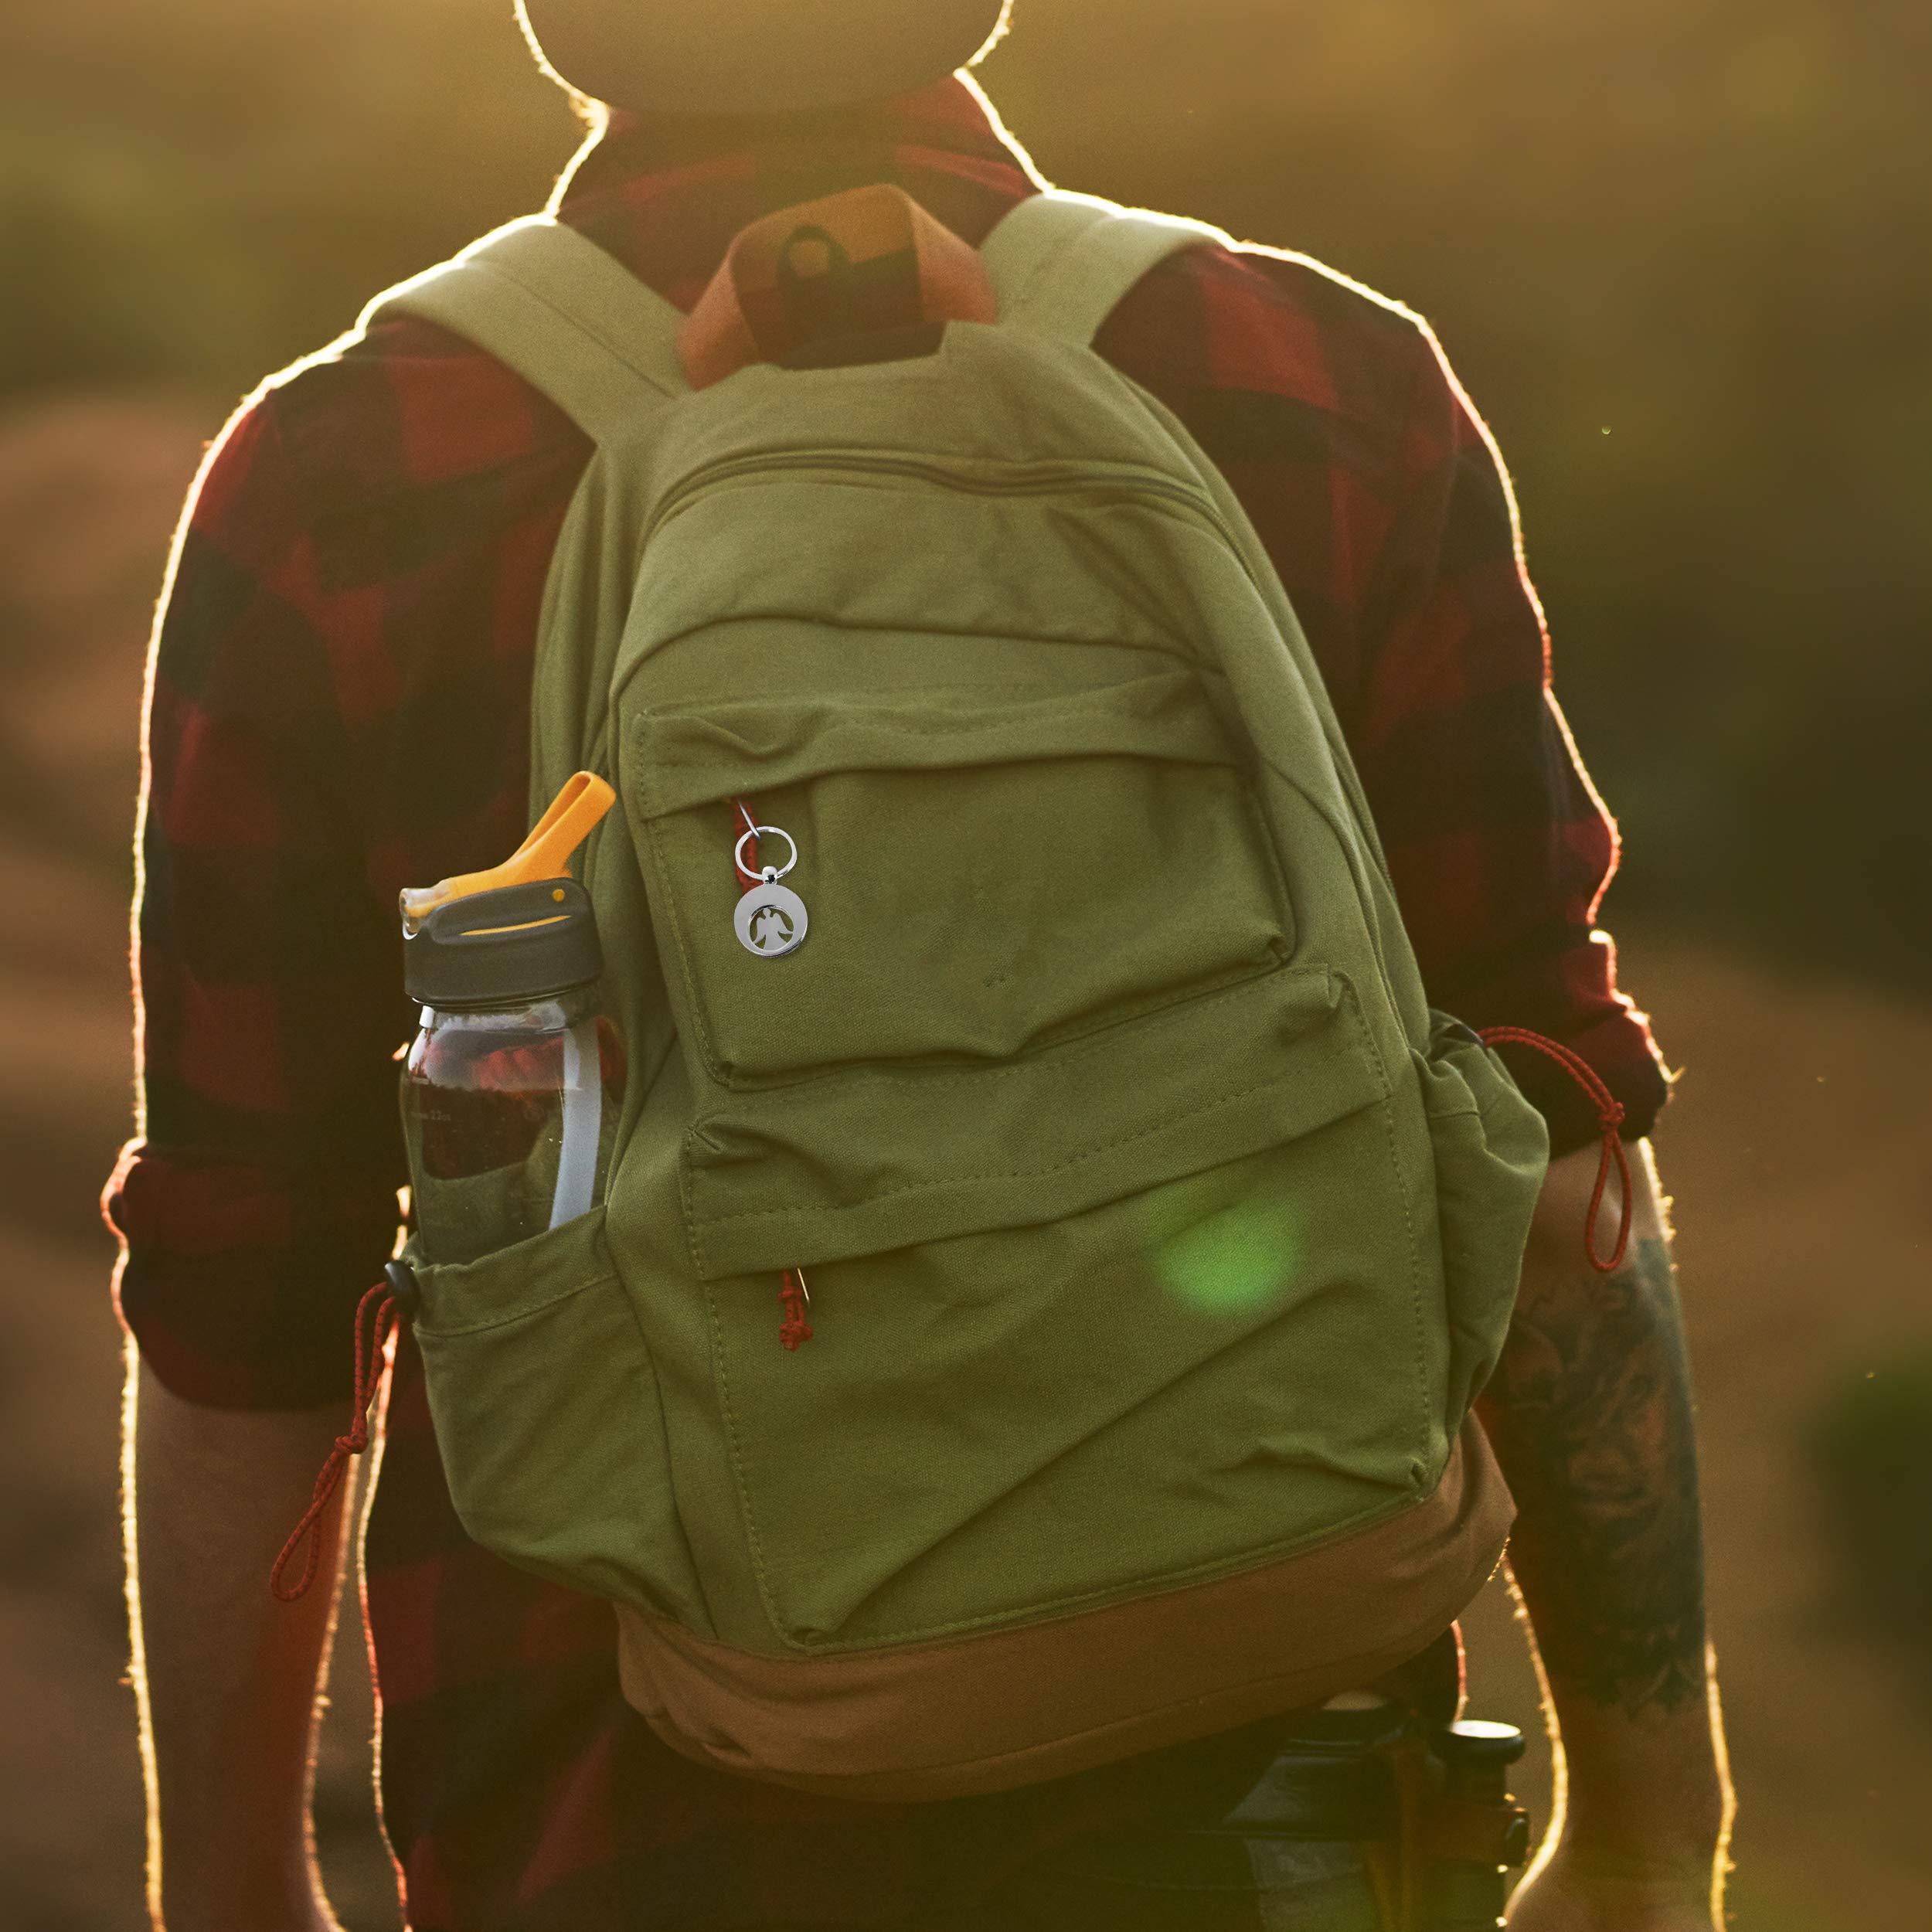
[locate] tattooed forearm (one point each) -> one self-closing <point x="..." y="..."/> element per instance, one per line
<point x="1590" y="1412"/>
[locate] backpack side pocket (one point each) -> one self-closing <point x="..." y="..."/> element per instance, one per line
<point x="549" y="1419"/>
<point x="1491" y="1150"/>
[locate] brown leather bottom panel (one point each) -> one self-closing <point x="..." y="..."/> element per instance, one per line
<point x="986" y="1712"/>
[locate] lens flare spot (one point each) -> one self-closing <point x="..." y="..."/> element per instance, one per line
<point x="1241" y="1258"/>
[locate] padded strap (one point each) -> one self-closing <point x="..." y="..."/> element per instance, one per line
<point x="561" y="313"/>
<point x="1062" y="262"/>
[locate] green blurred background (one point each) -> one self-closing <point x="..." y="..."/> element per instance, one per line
<point x="1680" y="251"/>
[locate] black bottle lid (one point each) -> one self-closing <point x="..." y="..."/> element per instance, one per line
<point x="1471" y="1742"/>
<point x="505" y="947"/>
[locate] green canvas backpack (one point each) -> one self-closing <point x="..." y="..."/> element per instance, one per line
<point x="1157" y="1236"/>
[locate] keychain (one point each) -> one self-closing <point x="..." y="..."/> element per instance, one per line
<point x="771" y="920"/>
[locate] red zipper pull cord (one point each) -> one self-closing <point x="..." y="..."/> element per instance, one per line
<point x="793" y="1296"/>
<point x="747" y="881"/>
<point x="372" y="1342"/>
<point x="1610" y="1110"/>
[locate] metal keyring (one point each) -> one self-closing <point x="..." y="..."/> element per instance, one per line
<point x="765" y="872"/>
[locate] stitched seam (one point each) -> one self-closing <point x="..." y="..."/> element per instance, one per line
<point x="685" y="1550"/>
<point x="1196" y="510"/>
<point x="753" y="1544"/>
<point x="650" y="392"/>
<point x="685" y="707"/>
<point x="1259" y="819"/>
<point x="1183" y="1703"/>
<point x="933" y="728"/>
<point x="1058" y="1167"/>
<point x="692" y="1240"/>
<point x="1150" y="1008"/>
<point x="1096" y="1040"/>
<point x="1016" y="1174"/>
<point x="627" y="787"/>
<point x="635" y="661"/>
<point x="1415" y="1254"/>
<point x="1040" y="274"/>
<point x="1035" y="754"/>
<point x="1166" y="1584"/>
<point x="587" y="330"/>
<point x="691" y="1000"/>
<point x="521" y="1314"/>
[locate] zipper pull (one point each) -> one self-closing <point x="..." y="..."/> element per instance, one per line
<point x="795" y="1298"/>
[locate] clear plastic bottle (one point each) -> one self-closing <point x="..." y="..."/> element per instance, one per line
<point x="511" y="1091"/>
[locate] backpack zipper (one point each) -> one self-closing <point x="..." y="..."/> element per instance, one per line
<point x="1043" y="480"/>
<point x="1046" y="479"/>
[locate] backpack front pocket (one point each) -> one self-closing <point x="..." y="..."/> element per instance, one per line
<point x="1102" y="1321"/>
<point x="988" y="870"/>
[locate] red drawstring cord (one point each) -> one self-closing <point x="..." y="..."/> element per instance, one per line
<point x="371" y="1342"/>
<point x="793" y="1296"/>
<point x="1610" y="1110"/>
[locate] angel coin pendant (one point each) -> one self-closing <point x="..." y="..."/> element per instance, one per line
<point x="771" y="920"/>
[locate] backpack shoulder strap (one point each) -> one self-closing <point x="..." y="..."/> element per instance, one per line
<point x="1061" y="263"/>
<point x="561" y="313"/>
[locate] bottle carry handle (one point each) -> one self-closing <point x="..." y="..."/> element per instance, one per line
<point x="576" y="1170"/>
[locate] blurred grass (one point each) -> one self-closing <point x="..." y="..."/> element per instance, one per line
<point x="1871" y="1447"/>
<point x="202" y="193"/>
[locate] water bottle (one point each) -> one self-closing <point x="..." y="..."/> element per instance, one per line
<point x="511" y="1090"/>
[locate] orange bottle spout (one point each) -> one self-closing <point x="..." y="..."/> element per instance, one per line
<point x="574" y="813"/>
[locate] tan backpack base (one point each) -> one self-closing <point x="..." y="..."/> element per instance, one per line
<point x="1107" y="1683"/>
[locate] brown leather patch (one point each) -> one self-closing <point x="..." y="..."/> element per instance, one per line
<point x="1015" y="1706"/>
<point x="866" y="260"/>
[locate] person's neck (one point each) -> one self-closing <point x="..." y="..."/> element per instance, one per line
<point x="951" y="114"/>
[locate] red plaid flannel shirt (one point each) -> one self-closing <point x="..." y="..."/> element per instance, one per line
<point x="340" y="708"/>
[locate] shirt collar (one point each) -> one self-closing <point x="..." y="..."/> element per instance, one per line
<point x="951" y="117"/>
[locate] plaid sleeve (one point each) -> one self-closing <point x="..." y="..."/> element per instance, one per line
<point x="1500" y="846"/>
<point x="258" y="1199"/>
